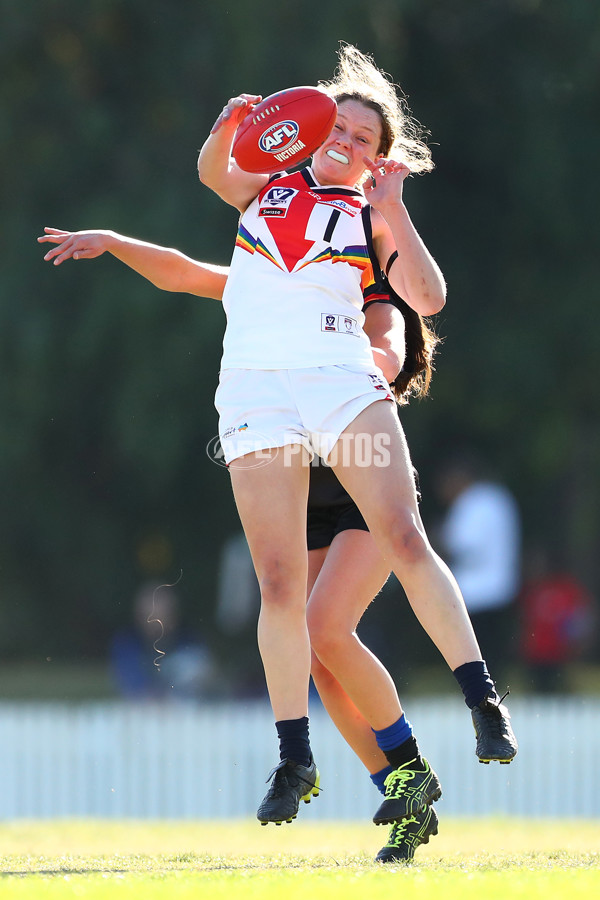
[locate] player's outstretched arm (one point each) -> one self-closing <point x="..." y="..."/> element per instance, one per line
<point x="165" y="267"/>
<point x="217" y="168"/>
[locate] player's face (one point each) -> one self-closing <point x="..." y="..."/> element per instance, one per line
<point x="356" y="133"/>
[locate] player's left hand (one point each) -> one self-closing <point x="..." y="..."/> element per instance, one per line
<point x="386" y="181"/>
<point x="74" y="244"/>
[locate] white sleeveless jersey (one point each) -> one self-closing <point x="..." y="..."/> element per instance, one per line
<point x="302" y="263"/>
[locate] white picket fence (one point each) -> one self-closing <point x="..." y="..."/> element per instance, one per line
<point x="115" y="760"/>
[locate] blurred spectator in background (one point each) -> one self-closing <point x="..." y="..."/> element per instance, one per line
<point x="155" y="659"/>
<point x="481" y="541"/>
<point x="558" y="624"/>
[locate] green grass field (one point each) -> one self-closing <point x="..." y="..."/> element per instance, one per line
<point x="483" y="859"/>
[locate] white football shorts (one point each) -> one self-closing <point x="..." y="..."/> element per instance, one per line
<point x="261" y="409"/>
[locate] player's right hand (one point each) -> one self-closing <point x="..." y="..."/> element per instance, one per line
<point x="236" y="109"/>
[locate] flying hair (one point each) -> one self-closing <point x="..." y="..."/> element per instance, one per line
<point x="358" y="78"/>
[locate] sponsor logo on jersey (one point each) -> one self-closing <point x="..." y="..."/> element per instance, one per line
<point x="341" y="204"/>
<point x="339" y="324"/>
<point x="352" y="208"/>
<point x="279" y="137"/>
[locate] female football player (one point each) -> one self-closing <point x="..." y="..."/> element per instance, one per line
<point x="345" y="568"/>
<point x="297" y="378"/>
<point x="342" y="555"/>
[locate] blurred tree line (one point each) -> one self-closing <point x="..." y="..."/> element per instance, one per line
<point x="106" y="394"/>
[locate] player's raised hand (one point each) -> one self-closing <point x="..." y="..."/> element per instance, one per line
<point x="386" y="182"/>
<point x="236" y="109"/>
<point x="74" y="244"/>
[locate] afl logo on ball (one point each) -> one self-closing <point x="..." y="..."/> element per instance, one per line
<point x="279" y="136"/>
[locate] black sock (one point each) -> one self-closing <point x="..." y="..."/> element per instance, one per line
<point x="405" y="753"/>
<point x="293" y="740"/>
<point x="475" y="682"/>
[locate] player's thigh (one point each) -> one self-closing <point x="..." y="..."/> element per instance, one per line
<point x="376" y="469"/>
<point x="271" y="501"/>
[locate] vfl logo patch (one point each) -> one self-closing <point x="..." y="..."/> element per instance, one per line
<point x="339" y="324"/>
<point x="276" y="201"/>
<point x="279" y="136"/>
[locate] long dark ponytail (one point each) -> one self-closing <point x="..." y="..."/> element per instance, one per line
<point x="421" y="342"/>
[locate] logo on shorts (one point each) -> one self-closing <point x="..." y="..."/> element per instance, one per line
<point x="233" y="429"/>
<point x="340" y="324"/>
<point x="259" y="445"/>
<point x="378" y="383"/>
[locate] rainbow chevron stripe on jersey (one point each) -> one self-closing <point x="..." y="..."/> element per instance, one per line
<point x="302" y="264"/>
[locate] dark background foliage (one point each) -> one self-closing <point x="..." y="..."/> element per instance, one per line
<point x="107" y="384"/>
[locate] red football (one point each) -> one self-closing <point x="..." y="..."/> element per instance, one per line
<point x="284" y="129"/>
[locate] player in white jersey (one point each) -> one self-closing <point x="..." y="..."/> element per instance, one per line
<point x="310" y="324"/>
<point x="272" y="498"/>
<point x="371" y="127"/>
<point x="345" y="569"/>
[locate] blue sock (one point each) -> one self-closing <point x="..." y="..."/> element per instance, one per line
<point x="293" y="740"/>
<point x="393" y="735"/>
<point x="378" y="779"/>
<point x="398" y="743"/>
<point x="475" y="682"/>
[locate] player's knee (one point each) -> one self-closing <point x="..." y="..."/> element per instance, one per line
<point x="326" y="638"/>
<point x="278" y="584"/>
<point x="406" y="540"/>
